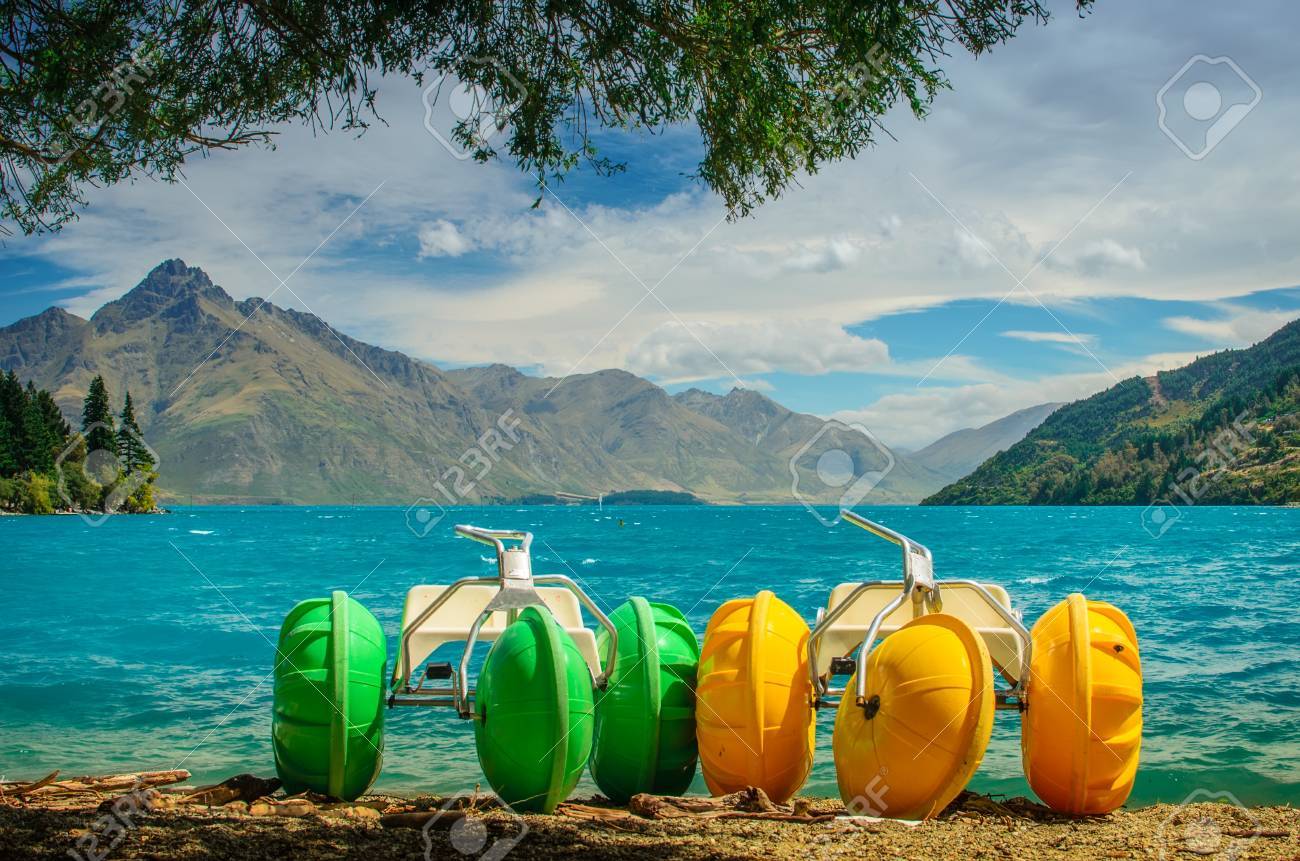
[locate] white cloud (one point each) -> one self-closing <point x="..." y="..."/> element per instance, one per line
<point x="972" y="250"/>
<point x="1056" y="337"/>
<point x="1240" y="328"/>
<point x="1098" y="257"/>
<point x="442" y="239"/>
<point x="829" y="256"/>
<point x="769" y="260"/>
<point x="916" y="418"/>
<point x="675" y="353"/>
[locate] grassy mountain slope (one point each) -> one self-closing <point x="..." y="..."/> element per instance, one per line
<point x="612" y="430"/>
<point x="1224" y="429"/>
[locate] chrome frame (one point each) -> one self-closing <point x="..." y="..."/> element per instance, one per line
<point x="516" y="590"/>
<point x="919" y="584"/>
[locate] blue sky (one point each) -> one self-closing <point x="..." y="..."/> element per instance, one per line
<point x="887" y="290"/>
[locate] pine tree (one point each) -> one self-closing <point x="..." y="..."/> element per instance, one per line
<point x="130" y="446"/>
<point x="32" y="429"/>
<point x="11" y="399"/>
<point x="97" y="418"/>
<point x="11" y="425"/>
<point x="8" y="447"/>
<point x="56" y="426"/>
<point x="36" y="452"/>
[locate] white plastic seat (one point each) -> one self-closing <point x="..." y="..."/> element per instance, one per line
<point x="567" y="611"/>
<point x="962" y="601"/>
<point x="453" y="620"/>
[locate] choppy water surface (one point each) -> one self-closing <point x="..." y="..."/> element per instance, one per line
<point x="147" y="643"/>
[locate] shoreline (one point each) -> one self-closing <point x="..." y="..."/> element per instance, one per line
<point x="68" y="512"/>
<point x="394" y="827"/>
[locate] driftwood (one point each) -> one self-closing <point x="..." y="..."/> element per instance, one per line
<point x="610" y="817"/>
<point x="748" y="803"/>
<point x="13" y="788"/>
<point x="90" y="791"/>
<point x="241" y="795"/>
<point x="241" y="787"/>
<point x="308" y="804"/>
<point x="354" y="812"/>
<point x="294" y="806"/>
<point x="48" y="786"/>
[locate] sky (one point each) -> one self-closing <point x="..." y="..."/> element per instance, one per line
<point x="1098" y="198"/>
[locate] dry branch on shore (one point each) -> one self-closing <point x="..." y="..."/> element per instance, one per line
<point x="76" y="791"/>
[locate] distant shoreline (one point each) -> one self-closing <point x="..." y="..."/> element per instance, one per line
<point x="69" y="511"/>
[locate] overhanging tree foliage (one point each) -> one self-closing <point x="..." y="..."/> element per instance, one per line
<point x="96" y="91"/>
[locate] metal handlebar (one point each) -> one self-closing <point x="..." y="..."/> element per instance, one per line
<point x="890" y="535"/>
<point x="495" y="537"/>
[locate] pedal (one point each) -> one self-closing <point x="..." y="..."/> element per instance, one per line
<point x="843" y="666"/>
<point x="440" y="670"/>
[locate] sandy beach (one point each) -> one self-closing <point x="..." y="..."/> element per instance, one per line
<point x="171" y="825"/>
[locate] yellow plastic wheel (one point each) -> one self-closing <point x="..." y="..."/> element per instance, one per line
<point x="753" y="713"/>
<point x="1082" y="731"/>
<point x="926" y="723"/>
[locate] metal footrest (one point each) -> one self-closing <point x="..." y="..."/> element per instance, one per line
<point x="440" y="670"/>
<point x="843" y="666"/>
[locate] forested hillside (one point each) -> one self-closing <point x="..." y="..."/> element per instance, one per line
<point x="1224" y="429"/>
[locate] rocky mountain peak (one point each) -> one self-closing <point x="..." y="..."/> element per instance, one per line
<point x="168" y="284"/>
<point x="748" y="397"/>
<point x="173" y="278"/>
<point x="52" y="319"/>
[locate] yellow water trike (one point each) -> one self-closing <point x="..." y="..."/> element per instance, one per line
<point x="929" y="663"/>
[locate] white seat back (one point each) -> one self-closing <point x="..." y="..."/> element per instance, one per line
<point x="453" y="620"/>
<point x="566" y="609"/>
<point x="868" y="604"/>
<point x="960" y="600"/>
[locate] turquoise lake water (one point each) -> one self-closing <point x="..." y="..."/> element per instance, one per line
<point x="123" y="652"/>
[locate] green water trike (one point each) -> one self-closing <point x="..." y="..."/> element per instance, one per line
<point x="551" y="695"/>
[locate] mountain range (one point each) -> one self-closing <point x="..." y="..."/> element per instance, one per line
<point x="1224" y="429"/>
<point x="248" y="402"/>
<point x="960" y="452"/>
<point x="244" y="401"/>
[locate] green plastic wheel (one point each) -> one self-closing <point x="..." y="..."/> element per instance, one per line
<point x="327" y="730"/>
<point x="532" y="714"/>
<point x="645" y="718"/>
